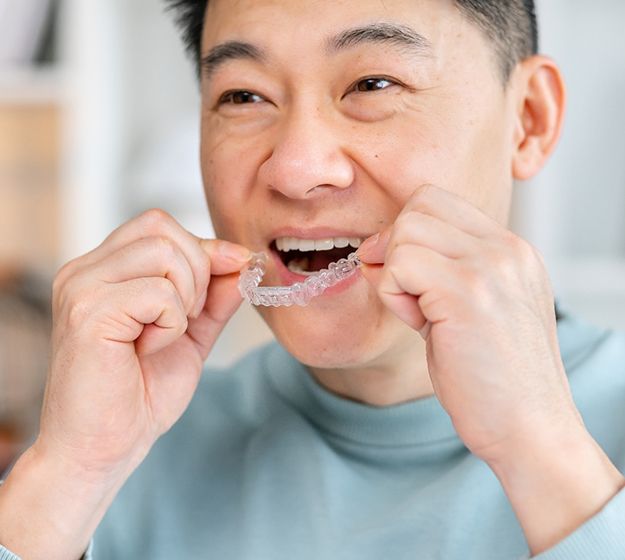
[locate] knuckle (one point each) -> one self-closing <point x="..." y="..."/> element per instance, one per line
<point x="526" y="251"/>
<point x="425" y="190"/>
<point x="63" y="274"/>
<point x="394" y="266"/>
<point x="58" y="285"/>
<point x="78" y="310"/>
<point x="422" y="199"/>
<point x="63" y="284"/>
<point x="204" y="276"/>
<point x="163" y="247"/>
<point x="402" y="255"/>
<point x="474" y="282"/>
<point x="406" y="221"/>
<point x="201" y="284"/>
<point x="515" y="254"/>
<point x="516" y="244"/>
<point x="537" y="256"/>
<point x="183" y="325"/>
<point x="504" y="264"/>
<point x="409" y="226"/>
<point x="393" y="259"/>
<point x="167" y="291"/>
<point x="155" y="219"/>
<point x="159" y="295"/>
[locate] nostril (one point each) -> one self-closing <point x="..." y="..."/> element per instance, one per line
<point x="318" y="189"/>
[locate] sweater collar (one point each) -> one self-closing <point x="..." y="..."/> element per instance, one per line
<point x="419" y="422"/>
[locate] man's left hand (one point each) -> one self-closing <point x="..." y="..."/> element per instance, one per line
<point x="481" y="298"/>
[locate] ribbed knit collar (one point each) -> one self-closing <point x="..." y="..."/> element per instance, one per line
<point x="419" y="422"/>
<point x="414" y="423"/>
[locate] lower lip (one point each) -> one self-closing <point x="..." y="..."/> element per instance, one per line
<point x="288" y="277"/>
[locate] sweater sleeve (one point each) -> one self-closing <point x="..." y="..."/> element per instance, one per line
<point x="601" y="537"/>
<point x="6" y="554"/>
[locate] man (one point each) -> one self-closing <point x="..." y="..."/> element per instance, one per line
<point x="420" y="409"/>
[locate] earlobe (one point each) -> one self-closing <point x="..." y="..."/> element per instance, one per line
<point x="540" y="115"/>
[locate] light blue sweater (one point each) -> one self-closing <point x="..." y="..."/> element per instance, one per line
<point x="267" y="465"/>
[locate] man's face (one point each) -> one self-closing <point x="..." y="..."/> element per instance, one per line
<point x="324" y="124"/>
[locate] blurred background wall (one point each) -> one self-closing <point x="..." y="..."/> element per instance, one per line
<point x="99" y="121"/>
<point x="574" y="211"/>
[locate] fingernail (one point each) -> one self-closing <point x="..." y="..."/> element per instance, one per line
<point x="368" y="244"/>
<point x="234" y="252"/>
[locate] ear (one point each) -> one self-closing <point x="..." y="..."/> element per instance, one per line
<point x="540" y="114"/>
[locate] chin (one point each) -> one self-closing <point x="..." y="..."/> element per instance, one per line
<point x="343" y="331"/>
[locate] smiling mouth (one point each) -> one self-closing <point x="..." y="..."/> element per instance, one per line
<point x="307" y="256"/>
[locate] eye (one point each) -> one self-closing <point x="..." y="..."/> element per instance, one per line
<point x="373" y="84"/>
<point x="240" y="97"/>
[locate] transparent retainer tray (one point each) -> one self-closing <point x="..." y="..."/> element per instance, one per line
<point x="299" y="293"/>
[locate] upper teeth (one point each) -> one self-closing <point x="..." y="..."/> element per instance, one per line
<point x="295" y="244"/>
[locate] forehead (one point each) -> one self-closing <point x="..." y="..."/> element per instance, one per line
<point x="293" y="23"/>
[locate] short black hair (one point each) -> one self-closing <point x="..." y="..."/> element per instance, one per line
<point x="510" y="24"/>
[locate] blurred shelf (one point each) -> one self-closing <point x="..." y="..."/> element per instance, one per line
<point x="30" y="181"/>
<point x="31" y="85"/>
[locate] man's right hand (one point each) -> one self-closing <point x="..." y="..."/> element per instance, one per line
<point x="134" y="321"/>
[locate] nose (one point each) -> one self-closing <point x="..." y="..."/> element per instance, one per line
<point x="307" y="159"/>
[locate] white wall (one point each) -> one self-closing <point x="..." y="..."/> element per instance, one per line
<point x="574" y="210"/>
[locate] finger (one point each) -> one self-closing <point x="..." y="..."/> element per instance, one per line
<point x="225" y="257"/>
<point x="406" y="307"/>
<point x="373" y="249"/>
<point x="157" y="223"/>
<point x="152" y="223"/>
<point x="453" y="209"/>
<point x="421" y="229"/>
<point x="222" y="300"/>
<point x="148" y="257"/>
<point x="145" y="311"/>
<point x="414" y="227"/>
<point x="413" y="283"/>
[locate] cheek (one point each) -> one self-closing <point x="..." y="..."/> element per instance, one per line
<point x="461" y="147"/>
<point x="483" y="173"/>
<point x="403" y="153"/>
<point x="229" y="167"/>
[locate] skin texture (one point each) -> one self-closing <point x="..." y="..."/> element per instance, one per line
<point x="449" y="301"/>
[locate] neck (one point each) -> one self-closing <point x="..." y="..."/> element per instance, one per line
<point x="393" y="380"/>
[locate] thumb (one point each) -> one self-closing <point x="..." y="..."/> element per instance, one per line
<point x="225" y="257"/>
<point x="222" y="296"/>
<point x="373" y="249"/>
<point x="222" y="300"/>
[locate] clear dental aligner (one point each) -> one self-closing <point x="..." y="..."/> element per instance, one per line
<point x="299" y="293"/>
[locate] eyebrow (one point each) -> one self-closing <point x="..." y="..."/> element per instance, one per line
<point x="379" y="33"/>
<point x="230" y="50"/>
